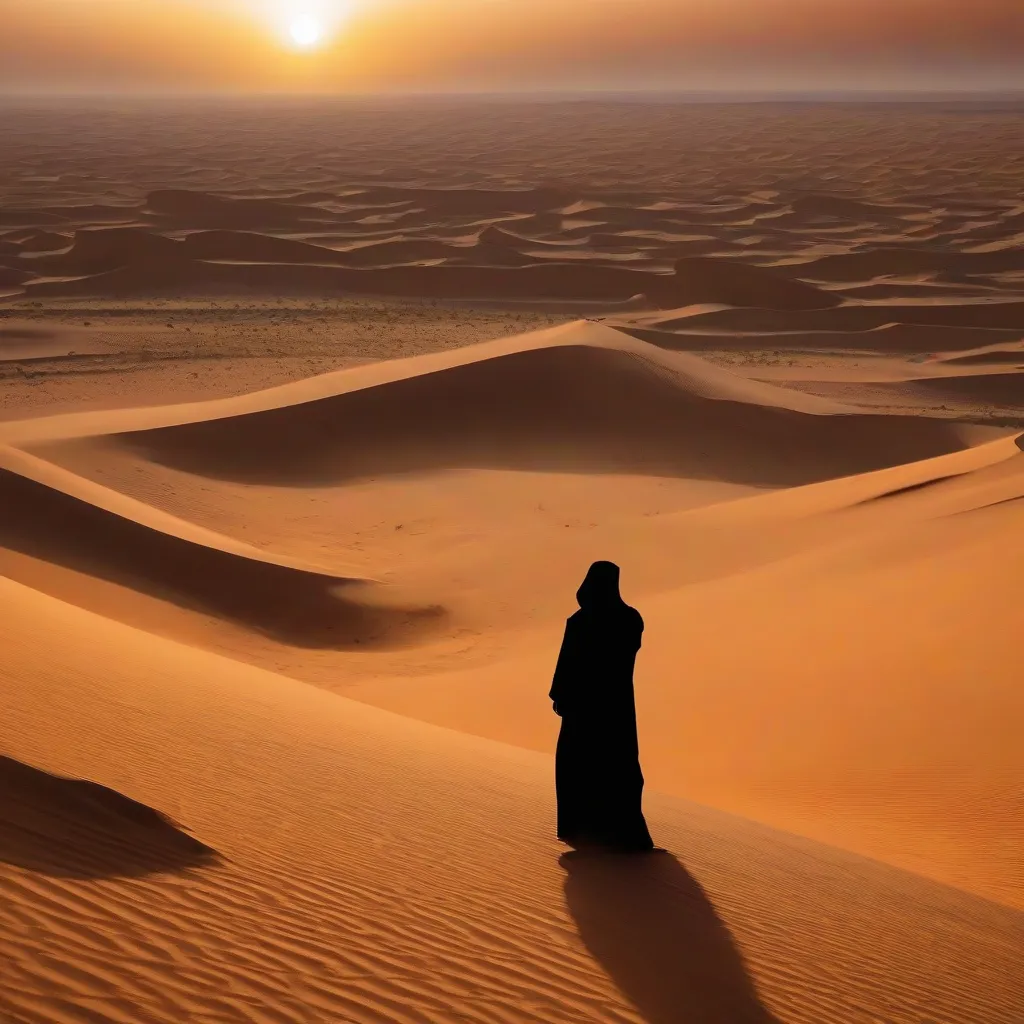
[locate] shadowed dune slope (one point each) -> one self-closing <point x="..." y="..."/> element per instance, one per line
<point x="121" y="262"/>
<point x="695" y="332"/>
<point x="1006" y="315"/>
<point x="72" y="828"/>
<point x="253" y="247"/>
<point x="737" y="284"/>
<point x="43" y="527"/>
<point x="692" y="374"/>
<point x="987" y="356"/>
<point x="984" y="392"/>
<point x="101" y="250"/>
<point x="190" y="209"/>
<point x="861" y="266"/>
<point x="371" y="862"/>
<point x="120" y="506"/>
<point x="473" y="200"/>
<point x="999" y="389"/>
<point x="13" y="276"/>
<point x="603" y="404"/>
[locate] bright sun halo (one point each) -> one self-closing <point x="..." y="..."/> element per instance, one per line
<point x="305" y="31"/>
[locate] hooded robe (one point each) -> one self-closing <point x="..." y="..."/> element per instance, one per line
<point x="597" y="763"/>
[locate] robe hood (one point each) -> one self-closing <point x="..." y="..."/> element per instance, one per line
<point x="600" y="588"/>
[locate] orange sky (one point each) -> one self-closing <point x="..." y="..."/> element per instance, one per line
<point x="197" y="45"/>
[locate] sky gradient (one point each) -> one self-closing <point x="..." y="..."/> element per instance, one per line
<point x="485" y="45"/>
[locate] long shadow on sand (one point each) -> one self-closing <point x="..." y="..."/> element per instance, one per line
<point x="71" y="828"/>
<point x="652" y="928"/>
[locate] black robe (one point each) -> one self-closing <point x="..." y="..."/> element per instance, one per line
<point x="597" y="762"/>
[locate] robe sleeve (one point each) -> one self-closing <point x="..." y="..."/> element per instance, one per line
<point x="566" y="669"/>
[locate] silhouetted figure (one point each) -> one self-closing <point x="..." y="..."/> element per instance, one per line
<point x="597" y="763"/>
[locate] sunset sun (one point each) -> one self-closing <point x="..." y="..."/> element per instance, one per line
<point x="305" y="32"/>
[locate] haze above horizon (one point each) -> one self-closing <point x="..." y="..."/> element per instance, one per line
<point x="510" y="46"/>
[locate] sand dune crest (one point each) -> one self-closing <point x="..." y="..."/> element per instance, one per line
<point x="582" y="399"/>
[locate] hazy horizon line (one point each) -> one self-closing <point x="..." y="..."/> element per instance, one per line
<point x="1009" y="95"/>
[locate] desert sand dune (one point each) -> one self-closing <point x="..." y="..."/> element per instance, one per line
<point x="833" y="206"/>
<point x="494" y="234"/>
<point x="319" y="902"/>
<point x="696" y="375"/>
<point x="579" y="409"/>
<point x="987" y="357"/>
<point x="13" y="217"/>
<point x="120" y="506"/>
<point x="90" y="214"/>
<point x="53" y="531"/>
<point x="38" y="241"/>
<point x="563" y="400"/>
<point x="253" y="247"/>
<point x="1007" y="316"/>
<point x="739" y="285"/>
<point x="227" y="472"/>
<point x="863" y="266"/>
<point x="582" y="398"/>
<point x="473" y="200"/>
<point x="931" y="291"/>
<point x="74" y="829"/>
<point x="1005" y="390"/>
<point x="64" y="535"/>
<point x="12" y="276"/>
<point x="889" y="338"/>
<point x="200" y="209"/>
<point x="103" y="249"/>
<point x="672" y="249"/>
<point x="117" y="272"/>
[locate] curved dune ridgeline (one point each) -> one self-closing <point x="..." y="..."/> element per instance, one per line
<point x="569" y="408"/>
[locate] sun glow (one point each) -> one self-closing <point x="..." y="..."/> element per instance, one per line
<point x="304" y="25"/>
<point x="306" y="31"/>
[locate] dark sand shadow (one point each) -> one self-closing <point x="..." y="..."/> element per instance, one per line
<point x="652" y="928"/>
<point x="575" y="409"/>
<point x="71" y="828"/>
<point x="292" y="606"/>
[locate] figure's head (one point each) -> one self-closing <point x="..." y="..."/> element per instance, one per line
<point x="601" y="586"/>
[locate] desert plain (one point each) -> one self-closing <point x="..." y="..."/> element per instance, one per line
<point x="312" y="417"/>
